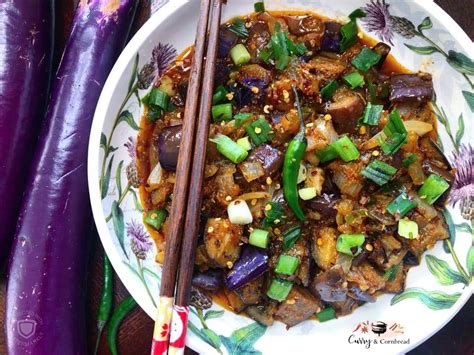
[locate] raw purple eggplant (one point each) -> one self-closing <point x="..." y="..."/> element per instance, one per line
<point x="253" y="262"/>
<point x="168" y="146"/>
<point x="411" y="87"/>
<point x="26" y="49"/>
<point x="48" y="263"/>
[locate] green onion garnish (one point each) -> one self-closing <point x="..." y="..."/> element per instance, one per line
<point x="346" y="149"/>
<point x="287" y="265"/>
<point x="222" y="112"/>
<point x="273" y="214"/>
<point x="327" y="154"/>
<point x="409" y="160"/>
<point x="326" y="314"/>
<point x="394" y="134"/>
<point x="159" y="98"/>
<point x="241" y="118"/>
<point x="407" y="229"/>
<point x="433" y="187"/>
<point x="349" y="30"/>
<point x="259" y="6"/>
<point x="357" y="13"/>
<point x="240" y="55"/>
<point x="266" y="54"/>
<point x="155" y="218"/>
<point x="239" y="29"/>
<point x="379" y="172"/>
<point x="401" y="205"/>
<point x="346" y="242"/>
<point x="244" y="142"/>
<point x="366" y="59"/>
<point x="372" y="114"/>
<point x="329" y="89"/>
<point x="354" y="80"/>
<point x="259" y="131"/>
<point x="279" y="289"/>
<point x="154" y="112"/>
<point x="228" y="148"/>
<point x="219" y="95"/>
<point x="259" y="238"/>
<point x="291" y="236"/>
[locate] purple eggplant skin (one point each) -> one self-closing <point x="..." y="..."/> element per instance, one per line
<point x="411" y="88"/>
<point x="252" y="263"/>
<point x="270" y="158"/>
<point x="48" y="262"/>
<point x="331" y="41"/>
<point x="168" y="146"/>
<point x="26" y="49"/>
<point x="210" y="280"/>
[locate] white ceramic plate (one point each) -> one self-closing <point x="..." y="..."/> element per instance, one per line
<point x="411" y="320"/>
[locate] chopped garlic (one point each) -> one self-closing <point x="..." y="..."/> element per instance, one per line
<point x="239" y="212"/>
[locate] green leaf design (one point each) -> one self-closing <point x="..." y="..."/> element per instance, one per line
<point x="460" y="132"/>
<point x="426" y="24"/>
<point x="134" y="73"/>
<point x="470" y="261"/>
<point x="198" y="332"/>
<point x="213" y="314"/>
<point x="242" y="340"/>
<point x="469" y="96"/>
<point x="105" y="180"/>
<point x="443" y="272"/>
<point x="435" y="300"/>
<point x="213" y="337"/>
<point x="136" y="202"/>
<point x="127" y="117"/>
<point x="103" y="141"/>
<point x="119" y="225"/>
<point x="118" y="177"/>
<point x="422" y="50"/>
<point x="451" y="229"/>
<point x="464" y="227"/>
<point x="461" y="62"/>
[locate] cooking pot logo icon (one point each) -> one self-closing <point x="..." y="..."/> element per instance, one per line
<point x="26" y="328"/>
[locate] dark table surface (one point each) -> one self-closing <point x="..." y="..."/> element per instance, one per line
<point x="135" y="333"/>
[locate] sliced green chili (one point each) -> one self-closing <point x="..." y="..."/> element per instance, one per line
<point x="291" y="236"/>
<point x="155" y="218"/>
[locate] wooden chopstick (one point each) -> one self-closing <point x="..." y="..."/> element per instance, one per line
<point x="173" y="239"/>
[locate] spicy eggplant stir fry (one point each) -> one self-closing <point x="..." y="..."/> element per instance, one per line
<point x="323" y="182"/>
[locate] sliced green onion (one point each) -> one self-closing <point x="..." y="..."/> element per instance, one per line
<point x="259" y="238"/>
<point x="228" y="148"/>
<point x="259" y="131"/>
<point x="287" y="265"/>
<point x="407" y="229"/>
<point x="159" y="98"/>
<point x="379" y="172"/>
<point x="401" y="205"/>
<point x="240" y="55"/>
<point x="357" y="13"/>
<point x="326" y="314"/>
<point x="329" y="89"/>
<point x="347" y="242"/>
<point x="239" y="29"/>
<point x="296" y="48"/>
<point x="366" y="59"/>
<point x="291" y="236"/>
<point x="327" y="154"/>
<point x="266" y="54"/>
<point x="154" y="112"/>
<point x="219" y="95"/>
<point x="259" y="6"/>
<point x="155" y="218"/>
<point x="395" y="133"/>
<point x="279" y="289"/>
<point x="346" y="149"/>
<point x="273" y="214"/>
<point x="244" y="142"/>
<point x="433" y="187"/>
<point x="222" y="112"/>
<point x="349" y="30"/>
<point x="241" y="118"/>
<point x="372" y="114"/>
<point x="409" y="160"/>
<point x="307" y="193"/>
<point x="354" y="80"/>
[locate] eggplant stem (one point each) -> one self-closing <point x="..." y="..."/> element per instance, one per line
<point x="100" y="329"/>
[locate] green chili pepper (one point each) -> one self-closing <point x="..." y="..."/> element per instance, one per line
<point x="117" y="317"/>
<point x="105" y="303"/>
<point x="291" y="165"/>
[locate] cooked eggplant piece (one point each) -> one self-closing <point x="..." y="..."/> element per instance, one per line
<point x="226" y="40"/>
<point x="301" y="250"/>
<point x="332" y="37"/>
<point x="309" y="30"/>
<point x="262" y="313"/>
<point x="327" y="285"/>
<point x="383" y="50"/>
<point x="324" y="205"/>
<point x="430" y="167"/>
<point x="168" y="146"/>
<point x="323" y="247"/>
<point x="234" y="300"/>
<point x="208" y="281"/>
<point x="396" y="283"/>
<point x="251" y="292"/>
<point x="325" y="68"/>
<point x="252" y="263"/>
<point x="367" y="278"/>
<point x="271" y="159"/>
<point x="259" y="36"/>
<point x="222" y="240"/>
<point x="411" y="87"/>
<point x="298" y="306"/>
<point x="345" y="109"/>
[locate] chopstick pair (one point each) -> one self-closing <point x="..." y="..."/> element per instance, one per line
<point x="173" y="309"/>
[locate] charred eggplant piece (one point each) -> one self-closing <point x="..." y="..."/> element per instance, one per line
<point x="168" y="146"/>
<point x="411" y="87"/>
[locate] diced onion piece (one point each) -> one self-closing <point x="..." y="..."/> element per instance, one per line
<point x="156" y="175"/>
<point x="239" y="212"/>
<point x="315" y="178"/>
<point x="419" y="127"/>
<point x="251" y="170"/>
<point x="254" y="195"/>
<point x="244" y="143"/>
<point x="302" y="174"/>
<point x="407" y="229"/>
<point x="307" y="193"/>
